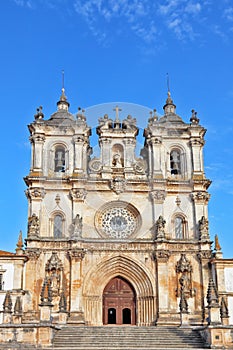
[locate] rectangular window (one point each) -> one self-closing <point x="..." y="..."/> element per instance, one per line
<point x="1" y="281"/>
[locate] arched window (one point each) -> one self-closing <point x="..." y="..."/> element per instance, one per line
<point x="59" y="159"/>
<point x="57" y="226"/>
<point x="179" y="227"/>
<point x="175" y="162"/>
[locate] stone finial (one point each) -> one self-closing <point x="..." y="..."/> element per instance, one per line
<point x="19" y="245"/>
<point x="212" y="294"/>
<point x="18" y="308"/>
<point x="39" y="115"/>
<point x="63" y="104"/>
<point x="63" y="303"/>
<point x="204" y="228"/>
<point x="169" y="107"/>
<point x="194" y="120"/>
<point x="160" y="227"/>
<point x="183" y="305"/>
<point x="224" y="309"/>
<point x="217" y="245"/>
<point x="46" y="293"/>
<point x="7" y="304"/>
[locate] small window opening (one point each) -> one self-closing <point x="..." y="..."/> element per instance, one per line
<point x="57" y="226"/>
<point x="59" y="161"/>
<point x="175" y="162"/>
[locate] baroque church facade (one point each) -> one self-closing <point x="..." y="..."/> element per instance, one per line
<point x="118" y="239"/>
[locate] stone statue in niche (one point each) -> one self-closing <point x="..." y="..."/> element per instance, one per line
<point x="117" y="161"/>
<point x="76" y="227"/>
<point x="33" y="225"/>
<point x="54" y="269"/>
<point x="160" y="227"/>
<point x="204" y="228"/>
<point x="184" y="277"/>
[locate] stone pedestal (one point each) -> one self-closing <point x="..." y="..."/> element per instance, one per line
<point x="184" y="319"/>
<point x="214" y="315"/>
<point x="7" y="317"/>
<point x="63" y="317"/>
<point x="45" y="313"/>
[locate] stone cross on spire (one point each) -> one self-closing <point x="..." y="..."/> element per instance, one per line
<point x="117" y="120"/>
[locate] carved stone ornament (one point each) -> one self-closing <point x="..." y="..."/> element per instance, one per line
<point x="204" y="254"/>
<point x="77" y="254"/>
<point x="158" y="195"/>
<point x="78" y="194"/>
<point x="201" y="197"/>
<point x="35" y="193"/>
<point x="32" y="253"/>
<point x="160" y="227"/>
<point x="162" y="255"/>
<point x="118" y="185"/>
<point x="204" y="228"/>
<point x="95" y="165"/>
<point x="140" y="167"/>
<point x="33" y="226"/>
<point x="54" y="270"/>
<point x="184" y="277"/>
<point x="183" y="265"/>
<point x="76" y="228"/>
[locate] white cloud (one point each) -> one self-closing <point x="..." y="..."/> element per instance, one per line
<point x="193" y="8"/>
<point x="228" y="13"/>
<point x="22" y="3"/>
<point x="133" y="15"/>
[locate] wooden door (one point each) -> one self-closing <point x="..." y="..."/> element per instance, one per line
<point x="119" y="302"/>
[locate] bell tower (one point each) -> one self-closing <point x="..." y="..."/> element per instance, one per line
<point x="117" y="141"/>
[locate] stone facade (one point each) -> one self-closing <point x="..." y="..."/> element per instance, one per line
<point x="119" y="225"/>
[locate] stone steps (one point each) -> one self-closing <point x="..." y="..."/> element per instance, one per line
<point x="128" y="337"/>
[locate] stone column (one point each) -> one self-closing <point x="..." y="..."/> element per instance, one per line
<point x="76" y="303"/>
<point x="156" y="154"/>
<point x="78" y="154"/>
<point x="161" y="259"/>
<point x="129" y="154"/>
<point x="196" y="146"/>
<point x="38" y="152"/>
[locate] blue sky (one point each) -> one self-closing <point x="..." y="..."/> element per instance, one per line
<point x="116" y="51"/>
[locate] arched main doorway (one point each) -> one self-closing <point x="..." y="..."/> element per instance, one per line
<point x="119" y="303"/>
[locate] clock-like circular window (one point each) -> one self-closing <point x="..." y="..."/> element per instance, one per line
<point x="117" y="220"/>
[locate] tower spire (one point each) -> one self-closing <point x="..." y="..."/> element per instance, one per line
<point x="63" y="104"/>
<point x="169" y="107"/>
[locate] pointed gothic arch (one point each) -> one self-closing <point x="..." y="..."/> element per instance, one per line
<point x="135" y="273"/>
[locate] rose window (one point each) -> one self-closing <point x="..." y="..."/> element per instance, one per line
<point x="118" y="220"/>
